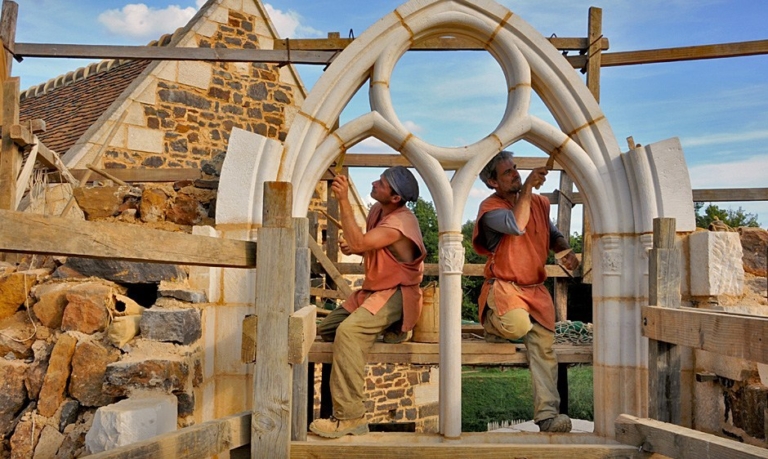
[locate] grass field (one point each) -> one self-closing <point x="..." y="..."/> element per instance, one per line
<point x="493" y="394"/>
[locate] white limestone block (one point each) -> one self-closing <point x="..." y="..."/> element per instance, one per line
<point x="728" y="367"/>
<point x="197" y="74"/>
<point x="143" y="139"/>
<point x="426" y="393"/>
<point x="762" y="370"/>
<point x="130" y="421"/>
<point x="716" y="265"/>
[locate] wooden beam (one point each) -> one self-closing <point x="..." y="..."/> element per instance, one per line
<point x="330" y="268"/>
<point x="720" y="333"/>
<point x="301" y="375"/>
<point x="275" y="283"/>
<point x="138" y="175"/>
<point x="325" y="293"/>
<point x="686" y="53"/>
<point x="10" y="156"/>
<point x="302" y="329"/>
<point x="664" y="359"/>
<point x="24" y="175"/>
<point x="8" y="36"/>
<point x="473" y="353"/>
<point x="487" y="445"/>
<point x="441" y="43"/>
<point x="194" y="442"/>
<point x="700" y="195"/>
<point x="30" y="233"/>
<point x="671" y="440"/>
<point x="172" y="53"/>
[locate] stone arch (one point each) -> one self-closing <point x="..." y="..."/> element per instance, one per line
<point x="623" y="192"/>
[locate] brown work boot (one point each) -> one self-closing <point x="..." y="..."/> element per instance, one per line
<point x="391" y="337"/>
<point x="559" y="424"/>
<point x="335" y="428"/>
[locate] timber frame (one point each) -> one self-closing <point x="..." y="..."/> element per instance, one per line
<point x="664" y="321"/>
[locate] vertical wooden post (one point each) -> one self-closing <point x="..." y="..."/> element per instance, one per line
<point x="275" y="283"/>
<point x="564" y="208"/>
<point x="664" y="290"/>
<point x="300" y="299"/>
<point x="594" y="58"/>
<point x="8" y="36"/>
<point x="10" y="156"/>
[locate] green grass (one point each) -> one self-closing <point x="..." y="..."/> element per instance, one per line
<point x="506" y="394"/>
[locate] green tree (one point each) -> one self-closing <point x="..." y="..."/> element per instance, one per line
<point x="427" y="216"/>
<point x="470" y="286"/>
<point x="732" y="218"/>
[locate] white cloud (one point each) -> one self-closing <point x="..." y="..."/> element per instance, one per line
<point x="728" y="138"/>
<point x="747" y="173"/>
<point x="372" y="145"/>
<point x="137" y="20"/>
<point x="288" y="23"/>
<point x="480" y="193"/>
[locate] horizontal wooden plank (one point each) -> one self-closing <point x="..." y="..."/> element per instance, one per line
<point x="195" y="442"/>
<point x="409" y="446"/>
<point x="672" y="440"/>
<point x="441" y="43"/>
<point x="432" y="269"/>
<point x="30" y="233"/>
<point x="730" y="194"/>
<point x="326" y="293"/>
<point x="473" y="352"/>
<point x="168" y="53"/>
<point x="686" y="53"/>
<point x="138" y="175"/>
<point x="715" y="332"/>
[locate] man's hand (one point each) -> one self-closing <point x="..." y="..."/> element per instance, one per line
<point x="536" y="178"/>
<point x="570" y="261"/>
<point x="340" y="187"/>
<point x="344" y="247"/>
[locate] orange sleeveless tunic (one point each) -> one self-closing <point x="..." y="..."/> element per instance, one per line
<point x="384" y="273"/>
<point x="516" y="269"/>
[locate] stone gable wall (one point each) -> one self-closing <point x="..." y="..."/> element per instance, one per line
<point x="185" y="120"/>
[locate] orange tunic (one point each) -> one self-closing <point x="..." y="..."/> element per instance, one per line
<point x="384" y="273"/>
<point x="516" y="269"/>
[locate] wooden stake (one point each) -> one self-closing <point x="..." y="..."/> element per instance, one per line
<point x="275" y="283"/>
<point x="10" y="156"/>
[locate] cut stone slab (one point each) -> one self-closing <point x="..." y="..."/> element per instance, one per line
<point x="14" y="288"/>
<point x="125" y="272"/>
<point x="716" y="263"/>
<point x="153" y="205"/>
<point x="25" y="439"/>
<point x="55" y="383"/>
<point x="130" y="421"/>
<point x="181" y="326"/>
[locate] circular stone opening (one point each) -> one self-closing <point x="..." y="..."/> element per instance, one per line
<point x="449" y="98"/>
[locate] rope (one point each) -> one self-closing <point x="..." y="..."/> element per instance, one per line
<point x="573" y="332"/>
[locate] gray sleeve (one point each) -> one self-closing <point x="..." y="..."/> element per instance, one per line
<point x="554" y="234"/>
<point x="502" y="221"/>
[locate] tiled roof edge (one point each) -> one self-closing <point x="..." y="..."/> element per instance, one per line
<point x="92" y="69"/>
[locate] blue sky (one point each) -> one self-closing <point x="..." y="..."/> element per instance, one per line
<point x="718" y="108"/>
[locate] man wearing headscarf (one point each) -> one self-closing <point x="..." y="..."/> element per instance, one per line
<point x="394" y="253"/>
<point x="514" y="231"/>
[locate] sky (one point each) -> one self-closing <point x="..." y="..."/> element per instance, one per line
<point x="718" y="108"/>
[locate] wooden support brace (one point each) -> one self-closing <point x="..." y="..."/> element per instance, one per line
<point x="330" y="268"/>
<point x="10" y="156"/>
<point x="679" y="442"/>
<point x="24" y="175"/>
<point x="302" y="330"/>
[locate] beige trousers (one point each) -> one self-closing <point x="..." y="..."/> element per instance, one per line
<point x="538" y="341"/>
<point x="353" y="336"/>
